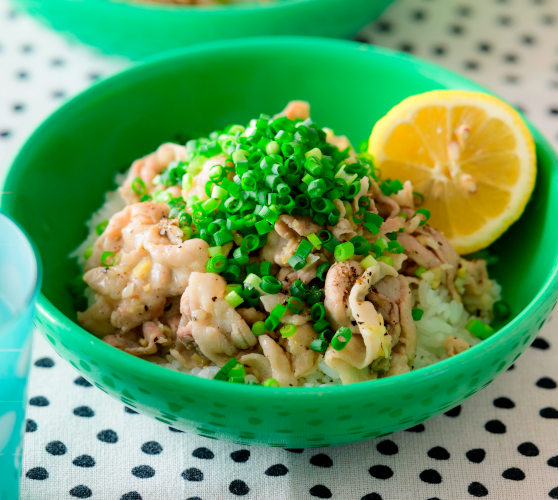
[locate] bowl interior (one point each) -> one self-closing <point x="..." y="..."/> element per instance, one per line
<point x="60" y="176"/>
<point x="76" y="155"/>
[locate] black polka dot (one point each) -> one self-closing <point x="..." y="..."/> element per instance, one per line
<point x="510" y="58"/>
<point x="84" y="461"/>
<point x="528" y="449"/>
<point x="58" y="94"/>
<point x="56" y="448"/>
<point x="454" y="412"/>
<point x="430" y="476"/>
<point x="83" y="411"/>
<point x="549" y="412"/>
<point x="204" y="453"/>
<point x="418" y="15"/>
<point x="553" y="493"/>
<point x="42" y="362"/>
<point x="546" y="383"/>
<point x="94" y="75"/>
<point x="387" y="447"/>
<point x="371" y="496"/>
<point x="439" y="50"/>
<point x="240" y="456"/>
<point x="464" y="10"/>
<point x="276" y="470"/>
<point x="548" y="19"/>
<point x="406" y="47"/>
<point x="514" y="474"/>
<point x="295" y="450"/>
<point x="132" y="495"/>
<point x="476" y="455"/>
<point x="511" y="79"/>
<point x="57" y="62"/>
<point x="505" y="403"/>
<point x="193" y="498"/>
<point x="143" y="471"/>
<point x="477" y="489"/>
<point x="384" y="26"/>
<point x="39" y="401"/>
<point x="26" y="48"/>
<point x="151" y="448"/>
<point x="238" y="487"/>
<point x="30" y="425"/>
<point x="22" y="75"/>
<point x="528" y="39"/>
<point x="320" y="491"/>
<point x="484" y="47"/>
<point x="471" y="65"/>
<point x="82" y="382"/>
<point x="107" y="436"/>
<point x="17" y="108"/>
<point x="495" y="427"/>
<point x="178" y="431"/>
<point x="553" y="461"/>
<point x="512" y="366"/>
<point x="81" y="491"/>
<point x="131" y="411"/>
<point x="539" y="342"/>
<point x="438" y="453"/>
<point x="380" y="471"/>
<point x="321" y="460"/>
<point x="456" y="29"/>
<point x="416" y="428"/>
<point x="504" y="20"/>
<point x="5" y="133"/>
<point x="38" y="473"/>
<point x="192" y="474"/>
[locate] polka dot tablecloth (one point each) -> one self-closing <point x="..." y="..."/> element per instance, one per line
<point x="500" y="444"/>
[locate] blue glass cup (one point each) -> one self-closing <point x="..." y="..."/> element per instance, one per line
<point x="19" y="285"/>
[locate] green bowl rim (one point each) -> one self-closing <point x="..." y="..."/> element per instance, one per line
<point x="113" y="356"/>
<point x="242" y="8"/>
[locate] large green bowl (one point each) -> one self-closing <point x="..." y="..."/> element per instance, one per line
<point x="137" y="29"/>
<point x="60" y="176"/>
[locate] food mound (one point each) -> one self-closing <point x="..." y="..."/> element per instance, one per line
<point x="274" y="254"/>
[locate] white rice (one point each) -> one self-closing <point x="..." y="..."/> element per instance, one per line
<point x="442" y="316"/>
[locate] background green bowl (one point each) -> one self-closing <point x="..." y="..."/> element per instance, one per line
<point x="60" y="176"/>
<point x="137" y="29"/>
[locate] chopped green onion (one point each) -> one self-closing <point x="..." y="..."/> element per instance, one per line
<point x="223" y="373"/>
<point x="108" y="258"/>
<point x="287" y="330"/>
<point x="263" y="227"/>
<point x="417" y="313"/>
<point x="275" y="316"/>
<point x="234" y="299"/>
<point x="240" y="256"/>
<point x="420" y="199"/>
<point x="344" y="251"/>
<point x="236" y="380"/>
<point x="387" y="259"/>
<point x="100" y="228"/>
<point x="295" y="305"/>
<point x="297" y="262"/>
<point x="426" y="214"/>
<point x="233" y="287"/>
<point x="479" y="329"/>
<point x="319" y="345"/>
<point x="138" y="186"/>
<point x="270" y="284"/>
<point x="237" y="370"/>
<point x="420" y="271"/>
<point x="368" y="262"/>
<point x="270" y="382"/>
<point x="258" y="328"/>
<point x="316" y="242"/>
<point x="501" y="309"/>
<point x="320" y="325"/>
<point x="395" y="247"/>
<point x="299" y="289"/>
<point x="317" y="312"/>
<point x="341" y="338"/>
<point x="223" y="236"/>
<point x="215" y="251"/>
<point x="216" y="264"/>
<point x="315" y="294"/>
<point x="322" y="270"/>
<point x="88" y="252"/>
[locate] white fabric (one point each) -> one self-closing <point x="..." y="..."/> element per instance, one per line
<point x="509" y="46"/>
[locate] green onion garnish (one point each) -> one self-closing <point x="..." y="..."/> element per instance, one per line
<point x="344" y="251"/>
<point x="386" y="259"/>
<point x="108" y="258"/>
<point x="479" y="329"/>
<point x="258" y="328"/>
<point x="223" y="373"/>
<point x="295" y="305"/>
<point x="138" y="186"/>
<point x="368" y="261"/>
<point x="270" y="284"/>
<point x="216" y="264"/>
<point x="234" y="299"/>
<point x="426" y="214"/>
<point x="287" y="330"/>
<point x="319" y="345"/>
<point x="420" y="271"/>
<point x="270" y="382"/>
<point x="322" y="270"/>
<point x="100" y="228"/>
<point x="317" y="312"/>
<point x="417" y="313"/>
<point x="501" y="309"/>
<point x="341" y="338"/>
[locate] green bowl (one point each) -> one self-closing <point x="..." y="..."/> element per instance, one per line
<point x="60" y="176"/>
<point x="137" y="29"/>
